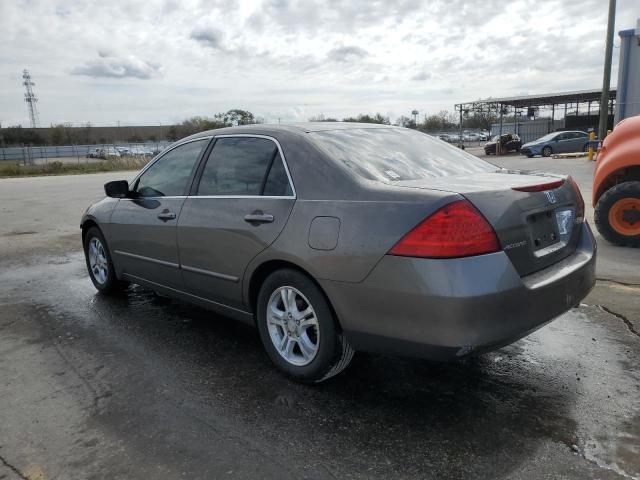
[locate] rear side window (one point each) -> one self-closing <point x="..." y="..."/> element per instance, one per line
<point x="396" y="154"/>
<point x="244" y="166"/>
<point x="236" y="166"/>
<point x="277" y="184"/>
<point x="168" y="176"/>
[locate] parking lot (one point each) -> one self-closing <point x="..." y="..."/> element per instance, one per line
<point x="140" y="386"/>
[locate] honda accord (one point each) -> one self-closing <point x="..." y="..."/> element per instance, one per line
<point x="332" y="238"/>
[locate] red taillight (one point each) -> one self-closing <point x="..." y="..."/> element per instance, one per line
<point x="456" y="230"/>
<point x="579" y="199"/>
<point x="540" y="187"/>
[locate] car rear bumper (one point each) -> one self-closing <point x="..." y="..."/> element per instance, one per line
<point x="444" y="309"/>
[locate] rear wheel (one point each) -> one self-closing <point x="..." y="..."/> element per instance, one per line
<point x="298" y="328"/>
<point x="617" y="214"/>
<point x="547" y="151"/>
<point x="585" y="149"/>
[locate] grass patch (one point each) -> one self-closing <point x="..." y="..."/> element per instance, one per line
<point x="14" y="169"/>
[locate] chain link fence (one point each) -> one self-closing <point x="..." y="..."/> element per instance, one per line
<point x="34" y="155"/>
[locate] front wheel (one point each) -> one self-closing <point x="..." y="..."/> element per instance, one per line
<point x="298" y="329"/>
<point x="99" y="262"/>
<point x="617" y="214"/>
<point x="547" y="151"/>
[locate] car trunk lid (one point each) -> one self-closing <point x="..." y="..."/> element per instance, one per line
<point x="533" y="214"/>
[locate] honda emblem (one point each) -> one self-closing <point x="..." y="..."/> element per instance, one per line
<point x="550" y="196"/>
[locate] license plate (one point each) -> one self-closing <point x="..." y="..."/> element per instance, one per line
<point x="564" y="218"/>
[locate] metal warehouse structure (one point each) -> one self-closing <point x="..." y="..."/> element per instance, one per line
<point x="577" y="110"/>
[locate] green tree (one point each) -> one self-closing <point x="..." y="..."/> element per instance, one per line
<point x="236" y="117"/>
<point x="366" y="118"/>
<point x="135" y="138"/>
<point x="15" y="136"/>
<point x="321" y="118"/>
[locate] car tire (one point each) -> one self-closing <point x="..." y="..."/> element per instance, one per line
<point x="585" y="149"/>
<point x="614" y="206"/>
<point x="546" y="151"/>
<point x="99" y="264"/>
<point x="308" y="348"/>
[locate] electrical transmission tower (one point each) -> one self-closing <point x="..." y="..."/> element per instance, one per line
<point x="31" y="99"/>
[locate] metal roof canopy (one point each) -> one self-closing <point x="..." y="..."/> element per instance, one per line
<point x="544" y="100"/>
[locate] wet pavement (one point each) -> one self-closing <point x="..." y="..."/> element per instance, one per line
<point x="139" y="386"/>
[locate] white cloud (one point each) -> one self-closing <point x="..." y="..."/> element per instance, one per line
<point x="109" y="66"/>
<point x="347" y="53"/>
<point x="209" y="37"/>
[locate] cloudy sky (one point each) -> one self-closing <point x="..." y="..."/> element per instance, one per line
<point x="160" y="61"/>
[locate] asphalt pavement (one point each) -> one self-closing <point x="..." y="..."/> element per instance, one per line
<point x="139" y="386"/>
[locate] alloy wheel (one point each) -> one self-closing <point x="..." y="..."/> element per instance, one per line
<point x="98" y="261"/>
<point x="293" y="326"/>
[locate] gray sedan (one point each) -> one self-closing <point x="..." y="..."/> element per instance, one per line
<point x="332" y="238"/>
<point x="557" y="142"/>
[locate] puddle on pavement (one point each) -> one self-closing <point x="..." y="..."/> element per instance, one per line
<point x="576" y="380"/>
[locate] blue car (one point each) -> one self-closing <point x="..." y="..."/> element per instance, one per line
<point x="557" y="142"/>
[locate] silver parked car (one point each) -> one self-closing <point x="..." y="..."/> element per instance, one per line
<point x="333" y="238"/>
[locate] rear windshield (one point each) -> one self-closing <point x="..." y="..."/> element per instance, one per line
<point x="396" y="154"/>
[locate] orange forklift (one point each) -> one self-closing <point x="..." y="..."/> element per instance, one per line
<point x="616" y="185"/>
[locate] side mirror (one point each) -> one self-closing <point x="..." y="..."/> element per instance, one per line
<point x="117" y="189"/>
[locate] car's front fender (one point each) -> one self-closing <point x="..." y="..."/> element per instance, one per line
<point x="99" y="213"/>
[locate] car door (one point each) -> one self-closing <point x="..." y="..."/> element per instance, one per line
<point x="239" y="204"/>
<point x="570" y="142"/>
<point x="143" y="227"/>
<point x="579" y="141"/>
<point x="561" y="143"/>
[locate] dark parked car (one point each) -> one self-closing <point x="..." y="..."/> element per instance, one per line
<point x="95" y="153"/>
<point x="557" y="142"/>
<point x="333" y="238"/>
<point x="509" y="142"/>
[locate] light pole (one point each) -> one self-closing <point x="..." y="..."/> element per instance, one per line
<point x="606" y="78"/>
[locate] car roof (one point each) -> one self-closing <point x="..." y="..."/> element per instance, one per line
<point x="299" y="128"/>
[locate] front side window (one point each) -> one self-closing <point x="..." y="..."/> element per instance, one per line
<point x="241" y="166"/>
<point x="168" y="176"/>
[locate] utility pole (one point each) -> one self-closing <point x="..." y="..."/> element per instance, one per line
<point x="606" y="78"/>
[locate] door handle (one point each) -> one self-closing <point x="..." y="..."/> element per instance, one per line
<point x="166" y="215"/>
<point x="258" y="218"/>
